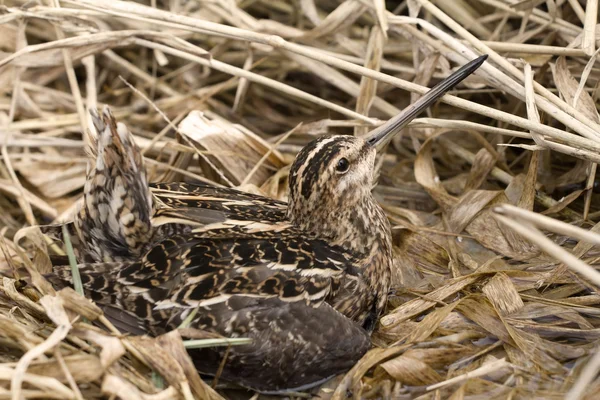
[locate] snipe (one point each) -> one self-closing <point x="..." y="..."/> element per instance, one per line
<point x="305" y="280"/>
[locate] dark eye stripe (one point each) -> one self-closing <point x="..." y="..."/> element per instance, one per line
<point x="317" y="163"/>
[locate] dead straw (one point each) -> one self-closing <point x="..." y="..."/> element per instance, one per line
<point x="493" y="193"/>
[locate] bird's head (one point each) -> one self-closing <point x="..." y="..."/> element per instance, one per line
<point x="331" y="178"/>
<point x="330" y="171"/>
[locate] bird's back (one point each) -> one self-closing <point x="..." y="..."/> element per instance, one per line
<point x="272" y="286"/>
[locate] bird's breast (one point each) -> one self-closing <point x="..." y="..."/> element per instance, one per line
<point x="363" y="290"/>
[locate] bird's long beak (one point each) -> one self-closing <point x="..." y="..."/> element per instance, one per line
<point x="380" y="136"/>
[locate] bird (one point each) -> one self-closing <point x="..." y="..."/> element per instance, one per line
<point x="305" y="280"/>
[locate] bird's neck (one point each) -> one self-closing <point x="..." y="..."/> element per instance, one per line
<point x="372" y="238"/>
<point x="358" y="225"/>
<point x="363" y="231"/>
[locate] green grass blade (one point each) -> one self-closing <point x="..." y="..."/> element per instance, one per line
<point x="72" y="261"/>
<point x="203" y="343"/>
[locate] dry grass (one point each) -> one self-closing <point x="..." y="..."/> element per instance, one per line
<point x="492" y="194"/>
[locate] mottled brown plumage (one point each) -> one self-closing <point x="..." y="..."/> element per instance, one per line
<point x="114" y="223"/>
<point x="305" y="280"/>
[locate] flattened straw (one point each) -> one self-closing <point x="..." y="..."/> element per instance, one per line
<point x="577" y="9"/>
<point x="532" y="112"/>
<point x="268" y="153"/>
<point x="118" y="7"/>
<point x="587" y="376"/>
<point x="588" y="42"/>
<point x="163" y="133"/>
<point x="183" y="172"/>
<point x="251" y="76"/>
<point x="91" y="92"/>
<point x="242" y="89"/>
<point x="221" y="367"/>
<point x="111" y="327"/>
<point x="466" y="155"/>
<point x="188" y="320"/>
<point x="380" y="11"/>
<point x="537" y="16"/>
<point x="588" y="190"/>
<point x="484" y="369"/>
<point x="56" y="121"/>
<point x="455" y="124"/>
<point x="68" y="375"/>
<point x="342" y="82"/>
<point x="57" y="336"/>
<point x="19" y="192"/>
<point x="139" y="73"/>
<point x="544" y="199"/>
<point x="544" y="243"/>
<point x="527" y="48"/>
<point x="71" y="77"/>
<point x="584" y="76"/>
<point x="548" y="223"/>
<point x="45" y="383"/>
<point x="549" y="102"/>
<point x="184" y="137"/>
<point x="20" y="197"/>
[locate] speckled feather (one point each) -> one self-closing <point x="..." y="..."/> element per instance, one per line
<point x="197" y="202"/>
<point x="252" y="269"/>
<point x="114" y="222"/>
<point x="305" y="280"/>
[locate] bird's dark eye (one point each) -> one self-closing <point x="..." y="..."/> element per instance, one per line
<point x="342" y="165"/>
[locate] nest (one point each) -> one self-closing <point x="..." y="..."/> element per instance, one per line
<point x="492" y="194"/>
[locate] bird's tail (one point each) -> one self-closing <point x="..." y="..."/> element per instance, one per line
<point x="114" y="222"/>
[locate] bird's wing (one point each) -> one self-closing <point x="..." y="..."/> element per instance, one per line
<point x="180" y="207"/>
<point x="270" y="287"/>
<point x="294" y="346"/>
<point x="188" y="271"/>
<point x="200" y="204"/>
